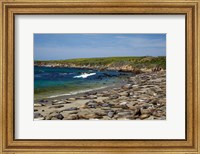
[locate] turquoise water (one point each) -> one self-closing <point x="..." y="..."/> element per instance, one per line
<point x="51" y="82"/>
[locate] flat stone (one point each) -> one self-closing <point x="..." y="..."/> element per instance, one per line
<point x="56" y="106"/>
<point x="71" y="117"/>
<point x="101" y="113"/>
<point x="122" y="114"/>
<point x="83" y="115"/>
<point x="83" y="97"/>
<point x="123" y="103"/>
<point x="105" y="105"/>
<point x="54" y="101"/>
<point x="43" y="101"/>
<point x="113" y="97"/>
<point x="127" y="86"/>
<point x="144" y="111"/>
<point x="144" y="116"/>
<point x="105" y="108"/>
<point x="111" y="114"/>
<point x="150" y="118"/>
<point x="71" y="109"/>
<point x="39" y="118"/>
<point x="71" y="99"/>
<point x="91" y="93"/>
<point x="60" y="102"/>
<point x="37" y="115"/>
<point x="124" y="94"/>
<point x="60" y="116"/>
<point x="37" y="105"/>
<point x="92" y="97"/>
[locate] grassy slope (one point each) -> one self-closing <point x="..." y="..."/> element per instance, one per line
<point x="139" y="62"/>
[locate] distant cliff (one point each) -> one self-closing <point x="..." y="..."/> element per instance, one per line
<point x="130" y="64"/>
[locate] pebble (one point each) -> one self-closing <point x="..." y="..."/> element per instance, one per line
<point x="56" y="106"/>
<point x="105" y="105"/>
<point x="37" y="105"/>
<point x="123" y="103"/>
<point x="60" y="116"/>
<point x="71" y="109"/>
<point x="60" y="102"/>
<point x="127" y="86"/>
<point x="111" y="114"/>
<point x="71" y="99"/>
<point x="144" y="116"/>
<point x="124" y="94"/>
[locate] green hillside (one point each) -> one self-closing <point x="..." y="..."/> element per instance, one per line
<point x="137" y="62"/>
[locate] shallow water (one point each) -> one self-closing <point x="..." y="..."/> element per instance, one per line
<point x="50" y="82"/>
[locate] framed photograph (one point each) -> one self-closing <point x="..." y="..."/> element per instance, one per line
<point x="99" y="76"/>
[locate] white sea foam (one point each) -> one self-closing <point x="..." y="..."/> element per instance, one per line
<point x="77" y="92"/>
<point x="84" y="75"/>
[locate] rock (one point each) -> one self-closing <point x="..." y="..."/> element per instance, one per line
<point x="150" y="118"/>
<point x="91" y="93"/>
<point x="123" y="103"/>
<point x="99" y="95"/>
<point x="67" y="102"/>
<point x="144" y="116"/>
<point x="135" y="86"/>
<point x="56" y="106"/>
<point x="161" y="118"/>
<point x="71" y="99"/>
<point x="113" y="97"/>
<point x="37" y="115"/>
<point x="54" y="118"/>
<point x="100" y="113"/>
<point x="127" y="86"/>
<point x="92" y="97"/>
<point x="106" y="118"/>
<point x="60" y="102"/>
<point x="123" y="114"/>
<point x="71" y="117"/>
<point x="83" y="97"/>
<point x="92" y="104"/>
<point x="43" y="101"/>
<point x="54" y="101"/>
<point x="105" y="94"/>
<point x="105" y="108"/>
<point x="111" y="114"/>
<point x="157" y="114"/>
<point x="73" y="112"/>
<point x="131" y="94"/>
<point x="144" y="111"/>
<point x="83" y="106"/>
<point x="59" y="116"/>
<point x="37" y="105"/>
<point x="105" y="105"/>
<point x="88" y="115"/>
<point x="39" y="118"/>
<point x="71" y="109"/>
<point x="124" y="94"/>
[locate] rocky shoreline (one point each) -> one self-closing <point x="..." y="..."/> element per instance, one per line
<point x="122" y="68"/>
<point x="142" y="97"/>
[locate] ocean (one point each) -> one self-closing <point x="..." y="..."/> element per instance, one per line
<point x="51" y="82"/>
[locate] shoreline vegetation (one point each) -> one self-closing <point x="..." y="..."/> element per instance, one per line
<point x="142" y="96"/>
<point x="126" y="64"/>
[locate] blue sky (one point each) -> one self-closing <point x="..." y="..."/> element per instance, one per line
<point x="69" y="46"/>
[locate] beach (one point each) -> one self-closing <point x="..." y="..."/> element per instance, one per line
<point x="140" y="97"/>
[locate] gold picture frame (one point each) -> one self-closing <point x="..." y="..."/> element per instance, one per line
<point x="189" y="8"/>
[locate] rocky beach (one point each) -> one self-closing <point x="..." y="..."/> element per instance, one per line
<point x="141" y="97"/>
